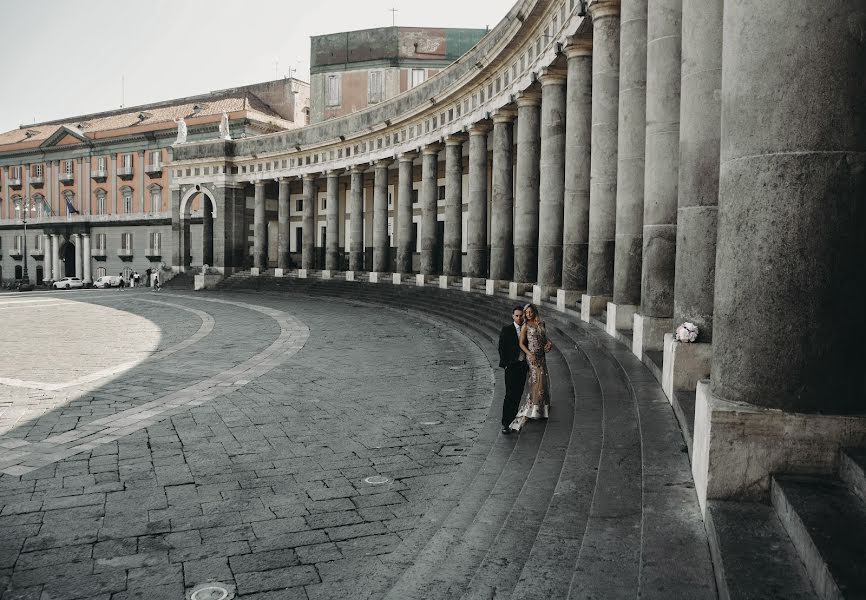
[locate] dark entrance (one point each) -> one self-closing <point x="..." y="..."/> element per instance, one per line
<point x="439" y="259"/>
<point x="40" y="274"/>
<point x="69" y="260"/>
<point x="19" y="272"/>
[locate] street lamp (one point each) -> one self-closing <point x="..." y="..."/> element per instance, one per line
<point x="25" y="208"/>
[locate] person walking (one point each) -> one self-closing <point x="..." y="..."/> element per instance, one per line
<point x="534" y="344"/>
<point x="513" y="361"/>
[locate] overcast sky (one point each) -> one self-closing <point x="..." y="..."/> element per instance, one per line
<point x="63" y="58"/>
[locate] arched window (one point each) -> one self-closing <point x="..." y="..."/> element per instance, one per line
<point x="155" y="192"/>
<point x="126" y="193"/>
<point x="100" y="201"/>
<point x="40" y="206"/>
<point x="100" y="272"/>
<point x="69" y="203"/>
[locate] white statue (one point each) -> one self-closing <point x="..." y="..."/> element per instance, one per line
<point x="181" y="131"/>
<point x="224" y="127"/>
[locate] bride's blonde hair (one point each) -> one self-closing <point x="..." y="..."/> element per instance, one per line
<point x="536" y="313"/>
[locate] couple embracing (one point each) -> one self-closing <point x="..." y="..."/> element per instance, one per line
<point x="522" y="346"/>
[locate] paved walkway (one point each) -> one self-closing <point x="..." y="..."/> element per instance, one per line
<point x="154" y="444"/>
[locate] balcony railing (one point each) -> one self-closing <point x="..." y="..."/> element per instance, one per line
<point x="91" y="218"/>
<point x="15" y="252"/>
<point x="153" y="252"/>
<point x="99" y="174"/>
<point x="97" y="253"/>
<point x="124" y="253"/>
<point x="125" y="172"/>
<point x="152" y="169"/>
<point x="37" y="180"/>
<point x="37" y="252"/>
<point x="66" y="177"/>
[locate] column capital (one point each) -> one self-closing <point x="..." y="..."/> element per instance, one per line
<point x="260" y="183"/>
<point x="455" y="139"/>
<point x="600" y="9"/>
<point x="285" y="180"/>
<point x="358" y="169"/>
<point x="333" y="173"/>
<point x="433" y="148"/>
<point x="528" y="98"/>
<point x="504" y="115"/>
<point x="382" y="163"/>
<point x="578" y="45"/>
<point x="551" y="76"/>
<point x="407" y="156"/>
<point x="479" y="128"/>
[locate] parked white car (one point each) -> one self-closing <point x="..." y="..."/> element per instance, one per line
<point x="67" y="283"/>
<point x="107" y="281"/>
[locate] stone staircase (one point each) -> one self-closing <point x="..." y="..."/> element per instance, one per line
<point x="180" y="281"/>
<point x="596" y="502"/>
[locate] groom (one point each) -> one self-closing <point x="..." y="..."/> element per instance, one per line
<point x="514" y="362"/>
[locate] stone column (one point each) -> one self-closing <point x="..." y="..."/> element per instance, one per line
<point x="284" y="232"/>
<point x="477" y="227"/>
<point x="79" y="258"/>
<point x="453" y="251"/>
<point x="502" y="218"/>
<point x="177" y="227"/>
<point x="788" y="322"/>
<point x="260" y="230"/>
<point x="55" y="256"/>
<point x="602" y="190"/>
<point x="700" y="127"/>
<point x="48" y="266"/>
<point x="381" y="247"/>
<point x="356" y="220"/>
<point x="552" y="184"/>
<point x="526" y="197"/>
<point x="405" y="241"/>
<point x="630" y="167"/>
<point x="664" y="51"/>
<point x="578" y="125"/>
<point x="332" y="255"/>
<point x="87" y="258"/>
<point x="207" y="237"/>
<point x="308" y="251"/>
<point x="429" y="196"/>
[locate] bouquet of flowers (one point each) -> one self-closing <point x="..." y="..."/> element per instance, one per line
<point x="687" y="332"/>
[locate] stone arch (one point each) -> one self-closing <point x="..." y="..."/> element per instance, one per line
<point x="186" y="200"/>
<point x="209" y="215"/>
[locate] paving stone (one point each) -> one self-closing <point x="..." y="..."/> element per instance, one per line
<point x="263" y="561"/>
<point x="207" y="569"/>
<point x="276" y="579"/>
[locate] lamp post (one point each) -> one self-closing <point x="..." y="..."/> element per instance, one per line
<point x="25" y="208"/>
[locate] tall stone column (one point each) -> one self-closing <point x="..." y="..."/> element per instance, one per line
<point x="79" y="257"/>
<point x="356" y="220"/>
<point x="332" y="252"/>
<point x="477" y="227"/>
<point x="55" y="257"/>
<point x="177" y="223"/>
<point x="552" y="184"/>
<point x="230" y="230"/>
<point x="48" y="265"/>
<point x="405" y="241"/>
<point x="664" y="52"/>
<point x="207" y="236"/>
<point x="526" y="197"/>
<point x="308" y="251"/>
<point x="87" y="258"/>
<point x="381" y="247"/>
<point x="260" y="229"/>
<point x="697" y="213"/>
<point x="284" y="231"/>
<point x="502" y="217"/>
<point x="630" y="167"/>
<point x="603" y="162"/>
<point x="453" y="251"/>
<point x="578" y="126"/>
<point x="788" y="322"/>
<point x="429" y="195"/>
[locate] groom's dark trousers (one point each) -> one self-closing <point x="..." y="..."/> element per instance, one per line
<point x="515" y="372"/>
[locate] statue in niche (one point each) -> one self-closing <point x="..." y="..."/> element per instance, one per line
<point x="225" y="134"/>
<point x="181" y="131"/>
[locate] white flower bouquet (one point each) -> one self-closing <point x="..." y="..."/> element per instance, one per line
<point x="687" y="333"/>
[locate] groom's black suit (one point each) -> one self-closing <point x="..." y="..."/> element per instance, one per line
<point x="515" y="372"/>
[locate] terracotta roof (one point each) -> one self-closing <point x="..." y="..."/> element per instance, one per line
<point x="165" y="114"/>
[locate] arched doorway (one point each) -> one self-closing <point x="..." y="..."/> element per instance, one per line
<point x="68" y="255"/>
<point x="197" y="206"/>
<point x="19" y="272"/>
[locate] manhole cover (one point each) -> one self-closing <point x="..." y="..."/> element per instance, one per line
<point x="212" y="591"/>
<point x="377" y="480"/>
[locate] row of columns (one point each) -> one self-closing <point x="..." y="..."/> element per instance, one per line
<point x="83" y="257"/>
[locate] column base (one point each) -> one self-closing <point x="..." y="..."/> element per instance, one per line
<point x="397" y="278"/>
<point x="470" y="283"/>
<point x="281" y="272"/>
<point x="303" y="273"/>
<point x="685" y="364"/>
<point x="591" y="306"/>
<point x="542" y="293"/>
<point x="518" y="290"/>
<point x="566" y="299"/>
<point x="649" y="334"/>
<point x="737" y="445"/>
<point x="350" y="276"/>
<point x="446" y="281"/>
<point x="421" y="280"/>
<point x="619" y="316"/>
<point x="255" y="271"/>
<point x="374" y="276"/>
<point x="491" y="286"/>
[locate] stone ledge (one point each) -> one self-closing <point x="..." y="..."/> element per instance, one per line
<point x="684" y="365"/>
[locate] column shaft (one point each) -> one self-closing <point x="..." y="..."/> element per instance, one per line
<point x="405" y="241"/>
<point x="605" y="114"/>
<point x="284" y="232"/>
<point x="526" y="199"/>
<point x="177" y="224"/>
<point x="477" y="226"/>
<point x="453" y="250"/>
<point x="55" y="258"/>
<point x="502" y="219"/>
<point x="332" y="255"/>
<point x="79" y="258"/>
<point x="552" y="181"/>
<point x="308" y="251"/>
<point x="381" y="247"/>
<point x="356" y="216"/>
<point x="789" y="290"/>
<point x="87" y="258"/>
<point x="207" y="237"/>
<point x="429" y="195"/>
<point x="630" y="155"/>
<point x="47" y="266"/>
<point x="260" y="232"/>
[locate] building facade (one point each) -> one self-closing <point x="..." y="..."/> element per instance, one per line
<point x="95" y="188"/>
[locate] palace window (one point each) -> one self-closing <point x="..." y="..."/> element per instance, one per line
<point x="100" y="163"/>
<point x="68" y="201"/>
<point x="376" y="87"/>
<point x="156" y="240"/>
<point x="126" y="241"/>
<point x="126" y="161"/>
<point x="14" y="172"/>
<point x="100" y="241"/>
<point x="37" y="170"/>
<point x="67" y="167"/>
<point x="41" y="207"/>
<point x="127" y="202"/>
<point x="332" y="90"/>
<point x="299" y="205"/>
<point x="324" y="204"/>
<point x="418" y="77"/>
<point x="100" y="272"/>
<point x="155" y="198"/>
<point x="100" y="202"/>
<point x="154" y="158"/>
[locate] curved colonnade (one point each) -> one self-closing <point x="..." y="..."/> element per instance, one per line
<point x="645" y="163"/>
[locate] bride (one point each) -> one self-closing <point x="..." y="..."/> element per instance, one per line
<point x="534" y="343"/>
